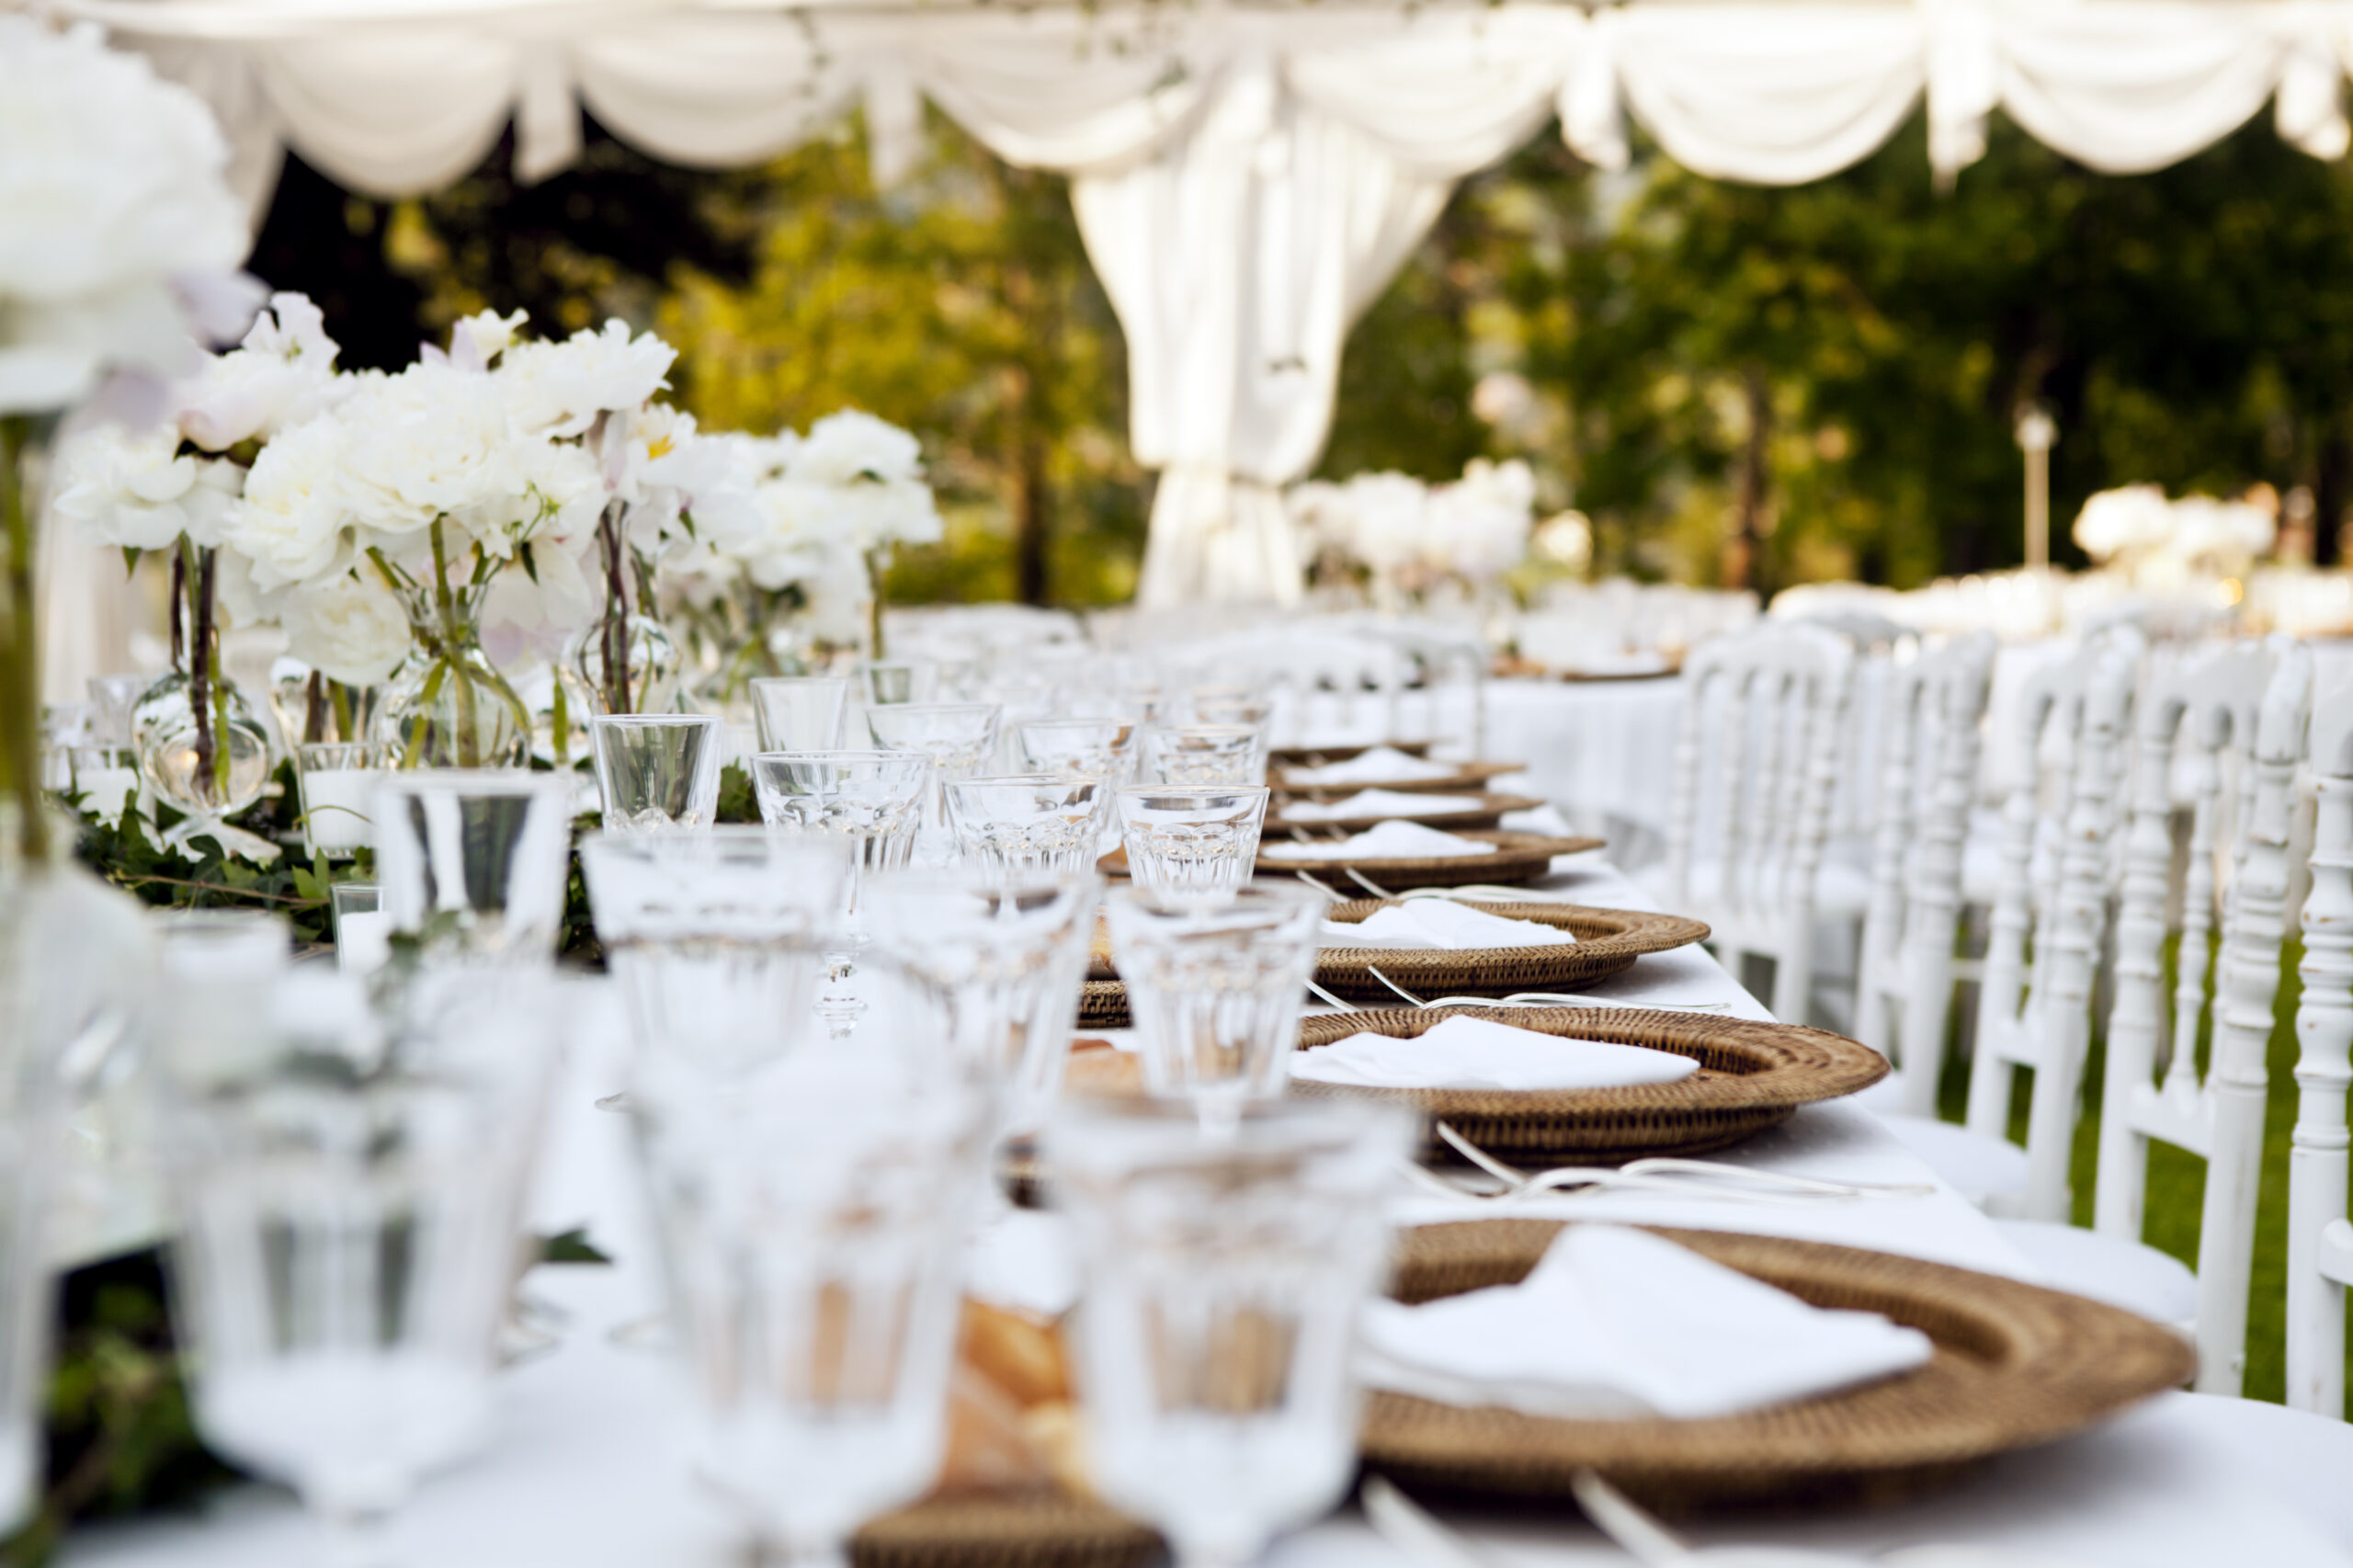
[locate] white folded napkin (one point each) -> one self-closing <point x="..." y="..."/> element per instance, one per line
<point x="1391" y="840"/>
<point x="1479" y="1053"/>
<point x="1380" y="804"/>
<point x="1380" y="764"/>
<point x="1546" y="818"/>
<point x="1426" y="923"/>
<point x="1617" y="1323"/>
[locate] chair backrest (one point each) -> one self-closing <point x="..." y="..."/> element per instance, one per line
<point x="1762" y="719"/>
<point x="2320" y="1242"/>
<point x="1905" y="974"/>
<point x="1330" y="687"/>
<point x="2240" y="711"/>
<point x="2054" y="888"/>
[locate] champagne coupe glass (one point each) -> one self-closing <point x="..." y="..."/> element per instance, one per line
<point x="1216" y="989"/>
<point x="814" y="1216"/>
<point x="874" y="799"/>
<point x="1030" y="823"/>
<point x="657" y="770"/>
<point x="1224" y="1280"/>
<point x="1203" y="755"/>
<point x="799" y="713"/>
<point x="352" y="1194"/>
<point x="958" y="736"/>
<point x="1192" y="842"/>
<point x="1011" y="954"/>
<point x="471" y="863"/>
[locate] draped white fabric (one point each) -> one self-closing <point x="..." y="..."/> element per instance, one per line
<point x="1248" y="179"/>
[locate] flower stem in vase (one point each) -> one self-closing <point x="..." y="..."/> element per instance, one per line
<point x="467" y="721"/>
<point x="878" y="566"/>
<point x="615" y="630"/>
<point x="206" y="695"/>
<point x="19" y="647"/>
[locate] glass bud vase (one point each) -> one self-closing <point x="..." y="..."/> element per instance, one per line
<point x="204" y="771"/>
<point x="655" y="666"/>
<point x="346" y="715"/>
<point x="448" y="706"/>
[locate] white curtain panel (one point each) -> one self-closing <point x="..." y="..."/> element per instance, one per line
<point x="1248" y="179"/>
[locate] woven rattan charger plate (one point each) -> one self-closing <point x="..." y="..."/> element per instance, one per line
<point x="1519" y="857"/>
<point x="2014" y="1365"/>
<point x="1046" y="1531"/>
<point x="1608" y="942"/>
<point x="1752" y="1077"/>
<point x="1488" y="813"/>
<point x="1467" y="775"/>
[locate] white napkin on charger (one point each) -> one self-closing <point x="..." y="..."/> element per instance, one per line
<point x="1479" y="1053"/>
<point x="1380" y="764"/>
<point x="1391" y="840"/>
<point x="1378" y="804"/>
<point x="1616" y="1322"/>
<point x="1428" y="923"/>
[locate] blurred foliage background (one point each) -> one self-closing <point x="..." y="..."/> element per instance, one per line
<point x="1736" y="384"/>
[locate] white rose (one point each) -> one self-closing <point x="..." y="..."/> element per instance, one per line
<point x="113" y="185"/>
<point x="292" y="522"/>
<point x="430" y="442"/>
<point x="131" y="489"/>
<point x="354" y="631"/>
<point x="281" y="375"/>
<point x="558" y="389"/>
<point x="843" y="448"/>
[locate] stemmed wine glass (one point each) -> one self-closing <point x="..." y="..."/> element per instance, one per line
<point x="874" y="798"/>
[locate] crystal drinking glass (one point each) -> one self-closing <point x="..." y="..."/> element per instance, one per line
<point x="814" y="1218"/>
<point x="885" y="683"/>
<point x="1030" y="823"/>
<point x="1223" y="1279"/>
<point x="351" y="1194"/>
<point x="657" y="769"/>
<point x="873" y="799"/>
<point x="1216" y="991"/>
<point x="1191" y="842"/>
<point x="1011" y="954"/>
<point x="958" y="736"/>
<point x="711" y="935"/>
<point x="1203" y="755"/>
<point x="799" y="713"/>
<point x="363" y="932"/>
<point x="1095" y="748"/>
<point x="339" y="782"/>
<point x="473" y="863"/>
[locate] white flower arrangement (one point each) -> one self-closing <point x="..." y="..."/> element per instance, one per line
<point x="2158" y="543"/>
<point x="1407" y="536"/>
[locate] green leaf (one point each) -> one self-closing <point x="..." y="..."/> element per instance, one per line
<point x="571" y="1247"/>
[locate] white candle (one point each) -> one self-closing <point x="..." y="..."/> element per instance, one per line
<point x="105" y="791"/>
<point x="335" y="802"/>
<point x="363" y="941"/>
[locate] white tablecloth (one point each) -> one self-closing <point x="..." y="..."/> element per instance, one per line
<point x="588" y="1469"/>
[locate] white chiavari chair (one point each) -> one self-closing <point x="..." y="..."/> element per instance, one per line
<point x="1756" y="764"/>
<point x="1906" y="971"/>
<point x="2320" y="1241"/>
<point x="2241" y="712"/>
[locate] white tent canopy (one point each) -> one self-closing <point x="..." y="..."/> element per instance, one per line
<point x="1248" y="177"/>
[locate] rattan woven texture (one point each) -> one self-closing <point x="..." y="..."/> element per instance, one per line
<point x="1752" y="1077"/>
<point x="1044" y="1530"/>
<point x="1103" y="1004"/>
<point x="1517" y="857"/>
<point x="1488" y="813"/>
<point x="1467" y="776"/>
<point x="1608" y="943"/>
<point x="2014" y="1365"/>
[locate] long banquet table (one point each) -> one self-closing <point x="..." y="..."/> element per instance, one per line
<point x="588" y="1467"/>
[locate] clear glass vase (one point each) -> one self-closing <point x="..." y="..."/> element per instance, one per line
<point x="311" y="709"/>
<point x="206" y="769"/>
<point x="654" y="668"/>
<point x="448" y="706"/>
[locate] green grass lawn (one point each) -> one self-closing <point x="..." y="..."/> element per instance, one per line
<point x="2177" y="1180"/>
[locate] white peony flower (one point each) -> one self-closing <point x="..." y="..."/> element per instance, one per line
<point x="1388" y="519"/>
<point x="433" y="441"/>
<point x="112" y="184"/>
<point x="293" y="522"/>
<point x="1479" y="526"/>
<point x="560" y="593"/>
<point x="559" y="389"/>
<point x="282" y="374"/>
<point x="2132" y="519"/>
<point x="843" y="448"/>
<point x="131" y="489"/>
<point x="483" y="336"/>
<point x="354" y="630"/>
